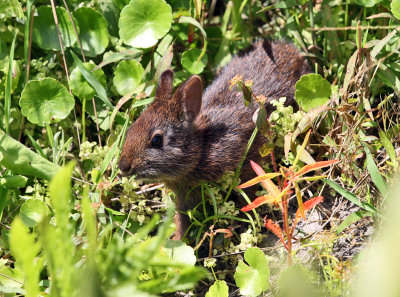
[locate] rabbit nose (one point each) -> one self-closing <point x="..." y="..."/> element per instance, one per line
<point x="124" y="165"/>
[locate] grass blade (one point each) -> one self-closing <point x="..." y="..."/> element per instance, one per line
<point x="7" y="95"/>
<point x="351" y="219"/>
<point x="101" y="92"/>
<point x="388" y="146"/>
<point x="351" y="197"/>
<point x="35" y="144"/>
<point x="373" y="170"/>
<point x="190" y="20"/>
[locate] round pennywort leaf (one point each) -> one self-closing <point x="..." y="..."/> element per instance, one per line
<point x="312" y="91"/>
<point x="45" y="101"/>
<point x="79" y="85"/>
<point x="367" y="3"/>
<point x="218" y="289"/>
<point x="395" y="7"/>
<point x="33" y="211"/>
<point x="143" y="22"/>
<point x="252" y="279"/>
<point x="190" y="61"/>
<point x="44" y="31"/>
<point x="127" y="76"/>
<point x="179" y="252"/>
<point x="93" y="31"/>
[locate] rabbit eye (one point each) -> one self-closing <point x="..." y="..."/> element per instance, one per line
<point x="156" y="141"/>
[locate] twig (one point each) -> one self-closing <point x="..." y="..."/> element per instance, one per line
<point x="350" y="28"/>
<point x="53" y="7"/>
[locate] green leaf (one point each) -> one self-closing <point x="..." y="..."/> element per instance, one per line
<point x="218" y="289"/>
<point x="100" y="91"/>
<point x="179" y="252"/>
<point x="59" y="248"/>
<point x="192" y="21"/>
<point x="191" y="61"/>
<point x="115" y="57"/>
<point x="143" y="22"/>
<point x="281" y="4"/>
<point x="351" y="219"/>
<point x="103" y="113"/>
<point x="351" y="197"/>
<point x="13" y="278"/>
<point x="21" y="160"/>
<point x="127" y="290"/>
<point x="14" y="181"/>
<point x="388" y="146"/>
<point x="25" y="248"/>
<point x="366" y="3"/>
<point x="45" y="101"/>
<point x="260" y="117"/>
<point x="44" y="31"/>
<point x="298" y="281"/>
<point x="395" y="7"/>
<point x="127" y="76"/>
<point x="110" y="155"/>
<point x="6" y="290"/>
<point x="373" y="170"/>
<point x="79" y="85"/>
<point x="60" y="191"/>
<point x="11" y="8"/>
<point x="312" y="91"/>
<point x="93" y="31"/>
<point x="252" y="279"/>
<point x="4" y="51"/>
<point x="33" y="211"/>
<point x="381" y="44"/>
<point x="389" y="77"/>
<point x="110" y="10"/>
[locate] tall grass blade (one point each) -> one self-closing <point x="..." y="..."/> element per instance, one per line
<point x="7" y="96"/>
<point x="351" y="219"/>
<point x="388" y="147"/>
<point x="373" y="170"/>
<point x="351" y="197"/>
<point x="101" y="92"/>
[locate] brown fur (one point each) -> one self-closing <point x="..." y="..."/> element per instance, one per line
<point x="205" y="135"/>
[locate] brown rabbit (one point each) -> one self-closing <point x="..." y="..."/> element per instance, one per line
<point x="187" y="136"/>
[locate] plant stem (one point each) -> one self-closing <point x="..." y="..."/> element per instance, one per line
<point x="212" y="269"/>
<point x="7" y="95"/>
<point x="310" y="7"/>
<point x="236" y="176"/>
<point x="51" y="139"/>
<point x="53" y="7"/>
<point x="286" y="228"/>
<point x="346" y="17"/>
<point x="84" y="120"/>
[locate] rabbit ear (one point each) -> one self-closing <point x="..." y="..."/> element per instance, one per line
<point x="164" y="88"/>
<point x="189" y="96"/>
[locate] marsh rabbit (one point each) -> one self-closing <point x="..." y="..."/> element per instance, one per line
<point x="188" y="136"/>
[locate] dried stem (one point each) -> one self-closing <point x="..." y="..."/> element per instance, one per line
<point x="64" y="61"/>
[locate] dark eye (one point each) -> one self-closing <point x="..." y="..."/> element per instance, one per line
<point x="156" y="141"/>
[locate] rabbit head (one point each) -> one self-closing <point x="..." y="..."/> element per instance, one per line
<point x="162" y="144"/>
